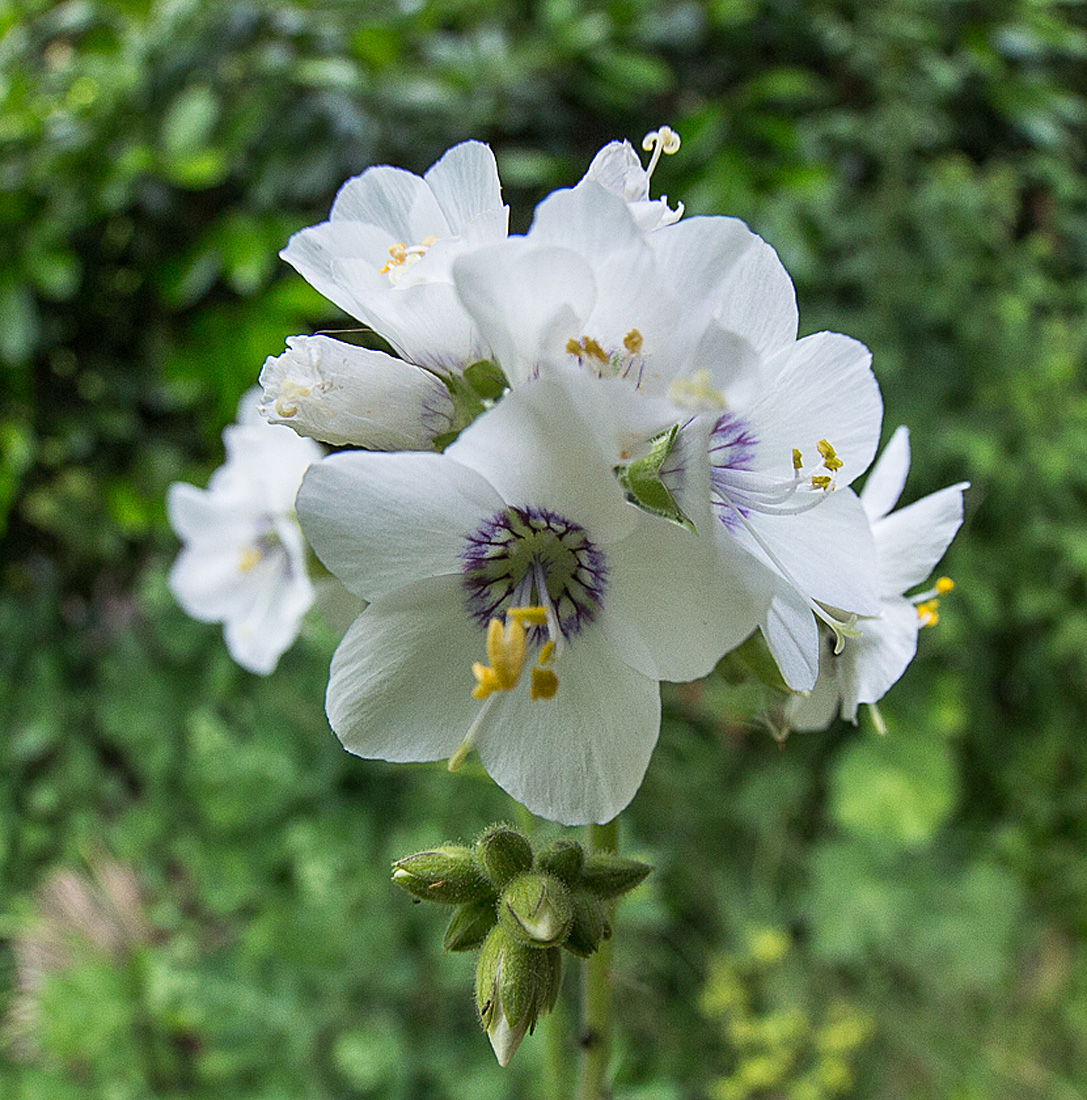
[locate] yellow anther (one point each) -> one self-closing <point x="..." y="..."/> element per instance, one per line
<point x="486" y="681"/>
<point x="587" y="348"/>
<point x="547" y="652"/>
<point x="821" y="481"/>
<point x="250" y="557"/>
<point x="533" y="616"/>
<point x="428" y="240"/>
<point x="544" y="684"/>
<point x="633" y="341"/>
<point x="830" y="459"/>
<point x="927" y="612"/>
<point x="798" y="460"/>
<point x="398" y="253"/>
<point x="944" y="585"/>
<point x="696" y="393"/>
<point x="285" y="405"/>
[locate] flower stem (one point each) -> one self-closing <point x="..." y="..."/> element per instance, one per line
<point x="596" y="994"/>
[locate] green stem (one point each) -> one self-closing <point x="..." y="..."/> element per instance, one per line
<point x="596" y="994"/>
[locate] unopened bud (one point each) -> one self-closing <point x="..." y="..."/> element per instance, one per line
<point x="515" y="985"/>
<point x="470" y="925"/>
<point x="504" y="854"/>
<point x="536" y="909"/>
<point x="564" y="860"/>
<point x="606" y="875"/>
<point x="588" y="929"/>
<point x="448" y="874"/>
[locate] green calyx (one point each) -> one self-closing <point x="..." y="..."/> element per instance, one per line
<point x="521" y="908"/>
<point x="473" y="390"/>
<point x="642" y="480"/>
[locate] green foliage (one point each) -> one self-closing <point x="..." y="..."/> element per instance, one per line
<point x="919" y="167"/>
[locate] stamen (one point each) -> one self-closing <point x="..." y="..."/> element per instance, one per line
<point x="587" y="348"/>
<point x="798" y="460"/>
<point x="944" y="585"/>
<point x="664" y="140"/>
<point x="696" y="393"/>
<point x="830" y="459"/>
<point x="285" y="404"/>
<point x="249" y="558"/>
<point x="506" y="652"/>
<point x="544" y="684"/>
<point x="877" y="719"/>
<point x="927" y="613"/>
<point x="821" y="481"/>
<point x="402" y="256"/>
<point x="633" y="341"/>
<point x="928" y="603"/>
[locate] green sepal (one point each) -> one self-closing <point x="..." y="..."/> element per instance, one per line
<point x="503" y="853"/>
<point x="754" y="655"/>
<point x="448" y="874"/>
<point x="588" y="929"/>
<point x="473" y="391"/>
<point x="642" y="482"/>
<point x="536" y="909"/>
<point x="470" y="925"/>
<point x="563" y="859"/>
<point x="487" y="379"/>
<point x="606" y="875"/>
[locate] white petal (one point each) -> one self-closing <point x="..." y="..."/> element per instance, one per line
<point x="379" y="521"/>
<point x="586" y="218"/>
<point x="887" y="478"/>
<point x="280" y="597"/>
<point x="538" y="447"/>
<point x="209" y="583"/>
<point x="824" y="389"/>
<point x="818" y="709"/>
<point x="827" y="552"/>
<point x="618" y="169"/>
<point x="400" y="685"/>
<point x="791" y="633"/>
<point x="399" y="202"/>
<point x="581" y="756"/>
<point x="527" y="301"/>
<point x="912" y="540"/>
<point x="731" y="274"/>
<point x="671" y="591"/>
<point x="465" y="183"/>
<point x="343" y="394"/>
<point x="873" y="662"/>
<point x="208" y="517"/>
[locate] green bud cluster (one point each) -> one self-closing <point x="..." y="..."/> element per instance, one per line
<point x="521" y="907"/>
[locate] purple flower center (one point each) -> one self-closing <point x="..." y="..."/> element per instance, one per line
<point x="732" y="448"/>
<point x="516" y="551"/>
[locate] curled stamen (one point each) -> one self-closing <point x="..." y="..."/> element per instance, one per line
<point x="664" y="140"/>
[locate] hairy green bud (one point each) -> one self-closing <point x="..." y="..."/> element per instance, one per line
<point x="589" y="928"/>
<point x="470" y="925"/>
<point x="448" y="874"/>
<point x="504" y="854"/>
<point x="606" y="875"/>
<point x="563" y="859"/>
<point x="536" y="910"/>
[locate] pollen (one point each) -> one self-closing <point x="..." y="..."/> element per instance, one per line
<point x="944" y="585"/>
<point x="821" y="481"/>
<point x="633" y="341"/>
<point x="830" y="458"/>
<point x="249" y="558"/>
<point x="928" y="612"/>
<point x="696" y="393"/>
<point x="544" y="684"/>
<point x="798" y="459"/>
<point x="587" y="348"/>
<point x="506" y="644"/>
<point x="400" y="255"/>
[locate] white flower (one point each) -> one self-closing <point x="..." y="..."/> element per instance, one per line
<point x="243" y="562"/>
<point x="909" y="543"/>
<point x="346" y="395"/>
<point x="515" y="547"/>
<point x="618" y="169"/>
<point x="384" y="255"/>
<point x="699" y="319"/>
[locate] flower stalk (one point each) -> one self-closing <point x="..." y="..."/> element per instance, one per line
<point x="596" y="992"/>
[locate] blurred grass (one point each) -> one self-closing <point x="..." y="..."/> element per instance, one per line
<point x="920" y="168"/>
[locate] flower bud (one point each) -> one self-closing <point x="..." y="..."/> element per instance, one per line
<point x="606" y="875"/>
<point x="470" y="925"/>
<point x="515" y="985"/>
<point x="340" y="393"/>
<point x="536" y="909"/>
<point x="504" y="854"/>
<point x="589" y="927"/>
<point x="564" y="860"/>
<point x="448" y="874"/>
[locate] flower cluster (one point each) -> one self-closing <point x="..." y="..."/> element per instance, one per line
<point x="519" y="907"/>
<point x="597" y="457"/>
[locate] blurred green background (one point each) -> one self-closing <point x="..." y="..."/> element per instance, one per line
<point x="895" y="919"/>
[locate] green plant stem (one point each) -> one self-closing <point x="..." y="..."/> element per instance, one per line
<point x="595" y="1034"/>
